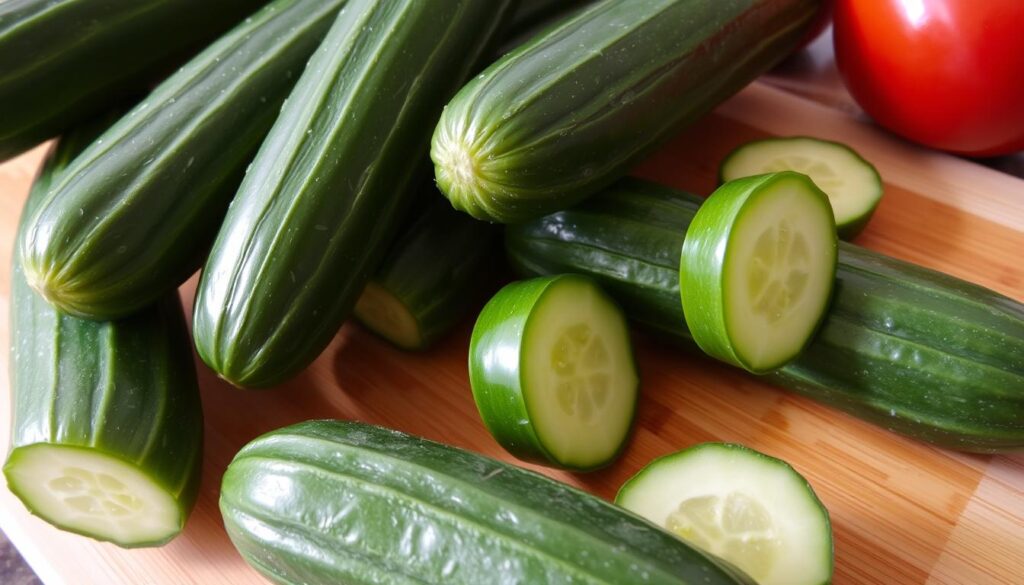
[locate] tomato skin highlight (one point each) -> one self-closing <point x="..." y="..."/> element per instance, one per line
<point x="948" y="74"/>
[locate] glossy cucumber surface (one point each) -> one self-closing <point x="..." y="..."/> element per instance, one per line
<point x="63" y="61"/>
<point x="910" y="349"/>
<point x="367" y="505"/>
<point x="134" y="215"/>
<point x="107" y="427"/>
<point x="315" y="213"/>
<point x="571" y="110"/>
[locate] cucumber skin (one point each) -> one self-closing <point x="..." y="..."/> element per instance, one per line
<point x="706" y="256"/>
<point x="912" y="350"/>
<point x="569" y="112"/>
<point x="134" y="215"/>
<point x="125" y="388"/>
<point x="314" y="215"/>
<point x="370" y="505"/>
<point x="438" y="269"/>
<point x="56" y="72"/>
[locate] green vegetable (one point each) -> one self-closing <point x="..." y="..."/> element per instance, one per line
<point x="107" y="424"/>
<point x="62" y="62"/>
<point x="573" y="109"/>
<point x="432" y="276"/>
<point x="135" y="214"/>
<point x="853" y="186"/>
<point x="910" y="349"/>
<point x="757" y="269"/>
<point x="753" y="510"/>
<point x="315" y="213"/>
<point x="552" y="372"/>
<point x="368" y="505"/>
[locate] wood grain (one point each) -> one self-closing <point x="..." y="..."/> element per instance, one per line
<point x="902" y="512"/>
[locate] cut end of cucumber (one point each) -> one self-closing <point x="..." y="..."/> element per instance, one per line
<point x="852" y="184"/>
<point x="750" y="509"/>
<point x="388" y="317"/>
<point x="579" y="380"/>
<point x="93" y="494"/>
<point x="757" y="269"/>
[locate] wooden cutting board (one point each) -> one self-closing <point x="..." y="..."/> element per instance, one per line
<point x="903" y="512"/>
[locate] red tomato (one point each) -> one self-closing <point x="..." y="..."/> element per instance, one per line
<point x="945" y="73"/>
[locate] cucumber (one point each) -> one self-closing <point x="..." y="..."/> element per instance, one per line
<point x="434" y="273"/>
<point x="853" y="185"/>
<point x="572" y="110"/>
<point x="552" y="372"/>
<point x="313" y="217"/>
<point x="367" y="505"/>
<point x="753" y="510"/>
<point x="907" y="348"/>
<point x="134" y="215"/>
<point x="107" y="423"/>
<point x="757" y="268"/>
<point x="63" y="62"/>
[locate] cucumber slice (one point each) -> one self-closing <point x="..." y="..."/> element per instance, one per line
<point x="750" y="509"/>
<point x="88" y="492"/>
<point x="757" y="269"/>
<point x="852" y="184"/>
<point x="552" y="371"/>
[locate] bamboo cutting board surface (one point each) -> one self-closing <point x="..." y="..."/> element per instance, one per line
<point x="902" y="512"/>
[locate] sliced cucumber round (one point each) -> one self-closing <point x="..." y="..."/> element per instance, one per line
<point x="552" y="371"/>
<point x="88" y="492"/>
<point x="387" y="316"/>
<point x="757" y="269"/>
<point x="750" y="509"/>
<point x="852" y="184"/>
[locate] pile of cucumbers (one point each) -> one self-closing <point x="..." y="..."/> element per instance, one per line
<point x="330" y="159"/>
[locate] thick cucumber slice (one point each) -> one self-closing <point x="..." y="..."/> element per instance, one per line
<point x="852" y="184"/>
<point x="750" y="509"/>
<point x="552" y="371"/>
<point x="757" y="269"/>
<point x="89" y="492"/>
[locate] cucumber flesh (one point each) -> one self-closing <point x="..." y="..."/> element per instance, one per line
<point x="388" y="316"/>
<point x="580" y="380"/>
<point x="92" y="493"/>
<point x="750" y="509"/>
<point x="853" y="186"/>
<point x="757" y="270"/>
<point x="552" y="372"/>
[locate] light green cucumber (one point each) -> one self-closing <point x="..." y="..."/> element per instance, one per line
<point x="852" y="184"/>
<point x="757" y="269"/>
<point x="753" y="510"/>
<point x="552" y="371"/>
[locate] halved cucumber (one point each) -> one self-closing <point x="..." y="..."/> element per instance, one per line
<point x="750" y="509"/>
<point x="852" y="184"/>
<point x="757" y="269"/>
<point x="552" y="371"/>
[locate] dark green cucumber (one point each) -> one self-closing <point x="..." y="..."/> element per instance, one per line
<point x="61" y="62"/>
<point x="369" y="505"/>
<point x="107" y="422"/>
<point x="435" y="273"/>
<point x="134" y="215"/>
<point x="570" y="111"/>
<point x="910" y="349"/>
<point x="314" y="214"/>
